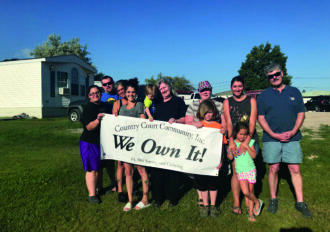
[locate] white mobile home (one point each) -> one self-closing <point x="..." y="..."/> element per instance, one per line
<point x="43" y="87"/>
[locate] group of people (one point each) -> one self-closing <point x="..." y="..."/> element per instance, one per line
<point x="278" y="109"/>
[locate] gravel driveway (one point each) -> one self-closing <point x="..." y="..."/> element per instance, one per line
<point x="313" y="120"/>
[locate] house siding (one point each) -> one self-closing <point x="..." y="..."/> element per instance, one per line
<point x="57" y="106"/>
<point x="20" y="88"/>
<point x="25" y="86"/>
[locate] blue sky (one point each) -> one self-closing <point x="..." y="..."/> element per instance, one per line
<point x="201" y="40"/>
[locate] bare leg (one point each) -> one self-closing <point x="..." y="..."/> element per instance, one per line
<point x="120" y="169"/>
<point x="99" y="184"/>
<point x="200" y="196"/>
<point x="213" y="196"/>
<point x="145" y="183"/>
<point x="129" y="180"/>
<point x="273" y="179"/>
<point x="246" y="189"/>
<point x="253" y="202"/>
<point x="91" y="180"/>
<point x="205" y="197"/>
<point x="235" y="188"/>
<point x="296" y="181"/>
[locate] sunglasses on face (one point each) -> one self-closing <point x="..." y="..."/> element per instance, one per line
<point x="96" y="93"/>
<point x="203" y="90"/>
<point x="108" y="83"/>
<point x="269" y="77"/>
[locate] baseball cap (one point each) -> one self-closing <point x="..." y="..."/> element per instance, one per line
<point x="204" y="85"/>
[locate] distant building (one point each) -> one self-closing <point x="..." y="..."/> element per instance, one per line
<point x="43" y="87"/>
<point x="314" y="93"/>
<point x="224" y="94"/>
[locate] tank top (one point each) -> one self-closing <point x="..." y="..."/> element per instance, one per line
<point x="239" y="109"/>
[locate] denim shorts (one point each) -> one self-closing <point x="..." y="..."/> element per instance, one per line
<point x="276" y="152"/>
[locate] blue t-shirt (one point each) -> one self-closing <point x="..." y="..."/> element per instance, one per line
<point x="280" y="110"/>
<point x="109" y="99"/>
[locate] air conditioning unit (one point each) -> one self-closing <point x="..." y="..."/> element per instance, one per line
<point x="64" y="91"/>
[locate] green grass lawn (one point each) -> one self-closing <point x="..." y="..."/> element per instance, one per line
<point x="43" y="189"/>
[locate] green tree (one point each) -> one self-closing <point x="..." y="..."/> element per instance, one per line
<point x="178" y="83"/>
<point x="252" y="70"/>
<point x="98" y="76"/>
<point x="54" y="47"/>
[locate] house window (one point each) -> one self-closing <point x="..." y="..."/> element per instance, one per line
<point x="82" y="91"/>
<point x="62" y="79"/>
<point x="74" y="82"/>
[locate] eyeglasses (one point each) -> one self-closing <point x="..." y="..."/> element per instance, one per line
<point x="119" y="90"/>
<point x="108" y="83"/>
<point x="93" y="94"/>
<point x="274" y="75"/>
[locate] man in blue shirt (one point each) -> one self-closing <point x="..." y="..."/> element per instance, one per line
<point x="109" y="97"/>
<point x="281" y="113"/>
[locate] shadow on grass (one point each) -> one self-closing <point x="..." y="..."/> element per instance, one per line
<point x="284" y="173"/>
<point x="303" y="229"/>
<point x="261" y="172"/>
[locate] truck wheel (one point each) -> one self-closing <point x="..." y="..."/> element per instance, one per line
<point x="317" y="109"/>
<point x="74" y="115"/>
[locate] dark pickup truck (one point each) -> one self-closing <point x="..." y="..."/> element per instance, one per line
<point x="75" y="110"/>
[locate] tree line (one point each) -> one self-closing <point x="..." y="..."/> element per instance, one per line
<point x="251" y="69"/>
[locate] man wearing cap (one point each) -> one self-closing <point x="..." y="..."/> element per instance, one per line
<point x="281" y="113"/>
<point x="205" y="91"/>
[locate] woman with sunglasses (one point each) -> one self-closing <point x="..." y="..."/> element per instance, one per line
<point x="239" y="107"/>
<point x="90" y="149"/>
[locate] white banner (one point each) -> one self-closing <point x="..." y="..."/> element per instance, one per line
<point x="159" y="144"/>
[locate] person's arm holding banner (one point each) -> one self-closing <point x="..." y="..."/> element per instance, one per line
<point x="173" y="120"/>
<point x="93" y="124"/>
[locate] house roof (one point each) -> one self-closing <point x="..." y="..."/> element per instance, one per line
<point x="54" y="59"/>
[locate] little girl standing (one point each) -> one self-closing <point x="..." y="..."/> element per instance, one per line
<point x="208" y="185"/>
<point x="246" y="170"/>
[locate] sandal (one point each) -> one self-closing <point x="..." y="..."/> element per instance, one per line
<point x="237" y="210"/>
<point x="257" y="211"/>
<point x="128" y="207"/>
<point x="141" y="205"/>
<point x="200" y="203"/>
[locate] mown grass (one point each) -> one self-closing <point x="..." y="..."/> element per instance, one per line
<point x="43" y="189"/>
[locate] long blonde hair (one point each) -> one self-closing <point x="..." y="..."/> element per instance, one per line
<point x="204" y="107"/>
